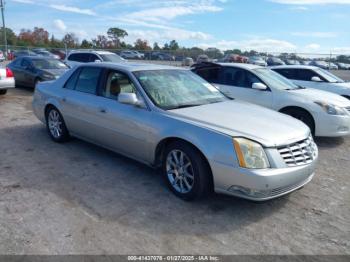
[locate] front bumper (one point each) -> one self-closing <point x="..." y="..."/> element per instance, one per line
<point x="260" y="185"/>
<point x="7" y="83"/>
<point x="332" y="126"/>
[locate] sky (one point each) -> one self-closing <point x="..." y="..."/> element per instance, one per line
<point x="303" y="26"/>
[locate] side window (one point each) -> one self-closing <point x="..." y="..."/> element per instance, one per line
<point x="251" y="79"/>
<point x="117" y="83"/>
<point x="210" y="74"/>
<point x="70" y="84"/>
<point x="25" y="63"/>
<point x="235" y="77"/>
<point x="88" y="80"/>
<point x="305" y="74"/>
<point x="93" y="58"/>
<point x="74" y="57"/>
<point x="287" y="73"/>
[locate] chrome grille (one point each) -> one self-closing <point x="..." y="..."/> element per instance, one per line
<point x="299" y="153"/>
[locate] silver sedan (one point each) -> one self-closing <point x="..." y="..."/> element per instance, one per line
<point x="172" y="119"/>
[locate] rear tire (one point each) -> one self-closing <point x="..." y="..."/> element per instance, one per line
<point x="303" y="116"/>
<point x="186" y="171"/>
<point x="56" y="126"/>
<point x="3" y="92"/>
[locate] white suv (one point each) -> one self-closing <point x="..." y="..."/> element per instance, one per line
<point x="315" y="77"/>
<point x="325" y="113"/>
<point x="79" y="57"/>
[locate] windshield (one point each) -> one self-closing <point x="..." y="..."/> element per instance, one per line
<point x="111" y="58"/>
<point x="329" y="76"/>
<point x="49" y="64"/>
<point x="171" y="89"/>
<point x="274" y="80"/>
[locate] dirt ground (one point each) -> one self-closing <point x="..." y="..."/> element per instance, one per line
<point x="77" y="198"/>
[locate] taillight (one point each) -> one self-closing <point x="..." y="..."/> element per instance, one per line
<point x="9" y="73"/>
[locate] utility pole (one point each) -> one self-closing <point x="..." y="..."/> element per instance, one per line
<point x="3" y="26"/>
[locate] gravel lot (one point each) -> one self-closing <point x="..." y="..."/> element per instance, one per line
<point x="77" y="198"/>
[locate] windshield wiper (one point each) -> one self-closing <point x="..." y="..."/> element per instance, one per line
<point x="184" y="106"/>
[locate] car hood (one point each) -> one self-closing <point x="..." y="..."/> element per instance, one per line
<point x="345" y="85"/>
<point x="55" y="72"/>
<point x="242" y="119"/>
<point x="321" y="96"/>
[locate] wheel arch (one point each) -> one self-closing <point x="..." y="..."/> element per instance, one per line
<point x="161" y="146"/>
<point x="285" y="109"/>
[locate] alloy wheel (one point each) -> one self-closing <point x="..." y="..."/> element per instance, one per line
<point x="55" y="124"/>
<point x="180" y="171"/>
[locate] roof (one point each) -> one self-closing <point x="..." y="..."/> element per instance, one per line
<point x="132" y="67"/>
<point x="241" y="65"/>
<point x="91" y="51"/>
<point x="293" y="67"/>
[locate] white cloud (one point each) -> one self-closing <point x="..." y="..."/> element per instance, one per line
<point x="73" y="9"/>
<point x="24" y="1"/>
<point x="311" y="2"/>
<point x="258" y="44"/>
<point x="59" y="25"/>
<point x="316" y="34"/>
<point x="299" y="8"/>
<point x="312" y="47"/>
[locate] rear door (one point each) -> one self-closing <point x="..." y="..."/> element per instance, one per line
<point x="78" y="101"/>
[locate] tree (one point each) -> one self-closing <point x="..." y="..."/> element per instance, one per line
<point x="40" y="36"/>
<point x="173" y="45"/>
<point x="70" y="40"/>
<point x="115" y="34"/>
<point x="86" y="44"/>
<point x="101" y="41"/>
<point x="55" y="43"/>
<point x="141" y="45"/>
<point x="25" y="37"/>
<point x="156" y="46"/>
<point x="10" y="35"/>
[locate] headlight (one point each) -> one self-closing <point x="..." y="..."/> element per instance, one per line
<point x="250" y="154"/>
<point x="332" y="109"/>
<point x="47" y="76"/>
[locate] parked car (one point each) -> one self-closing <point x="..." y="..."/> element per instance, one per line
<point x="257" y="60"/>
<point x="274" y="61"/>
<point x="2" y="57"/>
<point x="333" y="66"/>
<point x="79" y="57"/>
<point x="315" y="77"/>
<point x="305" y="62"/>
<point x="130" y="54"/>
<point x="170" y="118"/>
<point x="47" y="54"/>
<point x="325" y="113"/>
<point x="29" y="71"/>
<point x="188" y="61"/>
<point x="292" y="62"/>
<point x="320" y="64"/>
<point x="202" y="59"/>
<point x="159" y="56"/>
<point x="7" y="80"/>
<point x="60" y="53"/>
<point x="20" y="53"/>
<point x="234" y="58"/>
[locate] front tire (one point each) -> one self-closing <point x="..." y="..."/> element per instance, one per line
<point x="3" y="92"/>
<point x="56" y="126"/>
<point x="186" y="171"/>
<point x="303" y="116"/>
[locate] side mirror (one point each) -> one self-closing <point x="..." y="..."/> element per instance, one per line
<point x="98" y="61"/>
<point x="130" y="99"/>
<point x="316" y="79"/>
<point x="259" y="86"/>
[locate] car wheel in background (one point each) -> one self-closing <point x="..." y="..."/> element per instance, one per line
<point x="186" y="171"/>
<point x="55" y="125"/>
<point x="3" y="92"/>
<point x="303" y="116"/>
